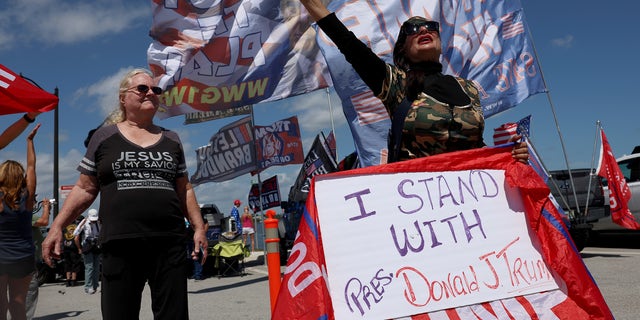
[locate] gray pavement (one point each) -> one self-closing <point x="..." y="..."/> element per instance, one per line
<point x="229" y="297"/>
<point x="613" y="266"/>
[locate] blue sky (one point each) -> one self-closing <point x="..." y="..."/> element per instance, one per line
<point x="588" y="57"/>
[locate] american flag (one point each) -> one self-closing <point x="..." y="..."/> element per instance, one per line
<point x="503" y="133"/>
<point x="369" y="108"/>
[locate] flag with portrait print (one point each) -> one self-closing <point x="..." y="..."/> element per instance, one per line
<point x="209" y="56"/>
<point x="278" y="144"/>
<point x="496" y="54"/>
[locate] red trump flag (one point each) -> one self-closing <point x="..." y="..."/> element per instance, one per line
<point x="619" y="193"/>
<point x="462" y="235"/>
<point x="19" y="95"/>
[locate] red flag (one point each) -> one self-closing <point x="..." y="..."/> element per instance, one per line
<point x="18" y="95"/>
<point x="304" y="293"/>
<point x="619" y="193"/>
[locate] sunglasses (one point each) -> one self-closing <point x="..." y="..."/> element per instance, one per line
<point x="143" y="88"/>
<point x="411" y="27"/>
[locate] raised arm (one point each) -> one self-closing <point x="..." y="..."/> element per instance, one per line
<point x="31" y="168"/>
<point x="14" y="130"/>
<point x="367" y="64"/>
<point x="43" y="221"/>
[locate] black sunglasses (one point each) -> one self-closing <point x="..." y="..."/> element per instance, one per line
<point x="143" y="88"/>
<point x="413" y="27"/>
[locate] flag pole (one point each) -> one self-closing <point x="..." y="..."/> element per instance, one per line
<point x="255" y="151"/>
<point x="56" y="190"/>
<point x="333" y="127"/>
<point x="555" y="119"/>
<point x="591" y="172"/>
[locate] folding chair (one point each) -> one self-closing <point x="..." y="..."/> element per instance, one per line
<point x="229" y="255"/>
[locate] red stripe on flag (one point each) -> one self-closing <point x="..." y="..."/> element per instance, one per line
<point x="368" y="108"/>
<point x="511" y="29"/>
<point x="503" y="133"/>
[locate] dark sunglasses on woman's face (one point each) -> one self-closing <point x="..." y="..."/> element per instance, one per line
<point x="411" y="28"/>
<point x="143" y="88"/>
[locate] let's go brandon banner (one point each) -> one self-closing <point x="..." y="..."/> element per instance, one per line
<point x="229" y="154"/>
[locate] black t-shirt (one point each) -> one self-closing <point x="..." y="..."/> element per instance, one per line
<point x="137" y="185"/>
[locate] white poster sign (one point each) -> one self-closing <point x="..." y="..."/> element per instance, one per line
<point x="408" y="243"/>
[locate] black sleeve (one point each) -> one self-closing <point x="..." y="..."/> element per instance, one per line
<point x="367" y="64"/>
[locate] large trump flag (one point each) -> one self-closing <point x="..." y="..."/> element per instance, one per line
<point x="462" y="235"/>
<point x="210" y="56"/>
<point x="214" y="55"/>
<point x="484" y="41"/>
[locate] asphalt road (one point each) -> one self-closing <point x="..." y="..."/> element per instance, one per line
<point x="229" y="297"/>
<point x="613" y="262"/>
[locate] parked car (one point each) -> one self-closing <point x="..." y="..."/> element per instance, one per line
<point x="630" y="167"/>
<point x="583" y="201"/>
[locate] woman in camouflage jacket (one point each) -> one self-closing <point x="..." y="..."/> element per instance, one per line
<point x="444" y="112"/>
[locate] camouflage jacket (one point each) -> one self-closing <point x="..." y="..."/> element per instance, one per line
<point x="433" y="127"/>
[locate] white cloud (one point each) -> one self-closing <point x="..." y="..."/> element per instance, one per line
<point x="62" y="21"/>
<point x="105" y="92"/>
<point x="564" y="42"/>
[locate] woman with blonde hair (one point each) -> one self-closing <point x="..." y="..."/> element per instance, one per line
<point x="139" y="170"/>
<point x="17" y="251"/>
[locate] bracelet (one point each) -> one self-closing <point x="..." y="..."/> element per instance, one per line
<point x="27" y="119"/>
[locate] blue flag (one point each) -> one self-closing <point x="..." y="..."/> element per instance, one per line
<point x="484" y="41"/>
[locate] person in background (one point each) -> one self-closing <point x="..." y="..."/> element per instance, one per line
<point x="431" y="113"/>
<point x="235" y="216"/>
<point x="14" y="130"/>
<point x="72" y="255"/>
<point x="139" y="171"/>
<point x="17" y="255"/>
<point x="37" y="222"/>
<point x="247" y="228"/>
<point x="196" y="261"/>
<point x="90" y="247"/>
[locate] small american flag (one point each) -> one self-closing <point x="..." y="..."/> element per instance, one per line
<point x="503" y="133"/>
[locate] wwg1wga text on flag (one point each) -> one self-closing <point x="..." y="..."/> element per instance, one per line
<point x="619" y="193"/>
<point x="210" y="56"/>
<point x="484" y="41"/>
